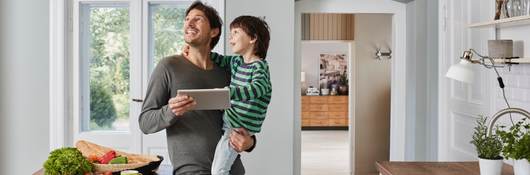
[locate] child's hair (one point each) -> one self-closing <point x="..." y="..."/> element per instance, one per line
<point x="255" y="28"/>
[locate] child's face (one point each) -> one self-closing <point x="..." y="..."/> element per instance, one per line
<point x="240" y="42"/>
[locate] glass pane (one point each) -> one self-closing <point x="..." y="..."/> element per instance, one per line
<point x="108" y="67"/>
<point x="166" y="33"/>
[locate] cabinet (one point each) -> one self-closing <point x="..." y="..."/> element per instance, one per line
<point x="324" y="111"/>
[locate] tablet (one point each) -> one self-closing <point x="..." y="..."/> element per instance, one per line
<point x="208" y="99"/>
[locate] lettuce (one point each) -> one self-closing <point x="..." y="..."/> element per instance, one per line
<point x="67" y="161"/>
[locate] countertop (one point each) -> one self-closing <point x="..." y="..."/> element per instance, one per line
<point x="438" y="168"/>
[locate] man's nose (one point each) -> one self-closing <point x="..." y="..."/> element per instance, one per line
<point x="190" y="23"/>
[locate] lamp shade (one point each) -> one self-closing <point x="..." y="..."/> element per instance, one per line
<point x="302" y="77"/>
<point x="461" y="72"/>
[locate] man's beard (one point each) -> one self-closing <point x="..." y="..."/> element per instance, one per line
<point x="197" y="43"/>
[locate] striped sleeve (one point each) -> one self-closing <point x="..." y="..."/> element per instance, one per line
<point x="222" y="60"/>
<point x="259" y="86"/>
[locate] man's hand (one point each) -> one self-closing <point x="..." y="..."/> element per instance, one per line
<point x="240" y="139"/>
<point x="181" y="104"/>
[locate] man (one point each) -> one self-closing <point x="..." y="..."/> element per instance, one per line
<point x="191" y="135"/>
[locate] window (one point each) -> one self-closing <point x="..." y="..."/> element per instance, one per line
<point x="105" y="60"/>
<point x="116" y="45"/>
<point x="165" y="30"/>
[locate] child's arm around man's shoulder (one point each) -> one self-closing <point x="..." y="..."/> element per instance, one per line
<point x="222" y="60"/>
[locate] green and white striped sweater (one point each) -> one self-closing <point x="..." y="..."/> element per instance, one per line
<point x="250" y="91"/>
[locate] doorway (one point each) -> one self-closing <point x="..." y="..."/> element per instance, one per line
<point x="362" y="126"/>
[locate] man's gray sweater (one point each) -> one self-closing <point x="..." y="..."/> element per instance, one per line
<point x="192" y="137"/>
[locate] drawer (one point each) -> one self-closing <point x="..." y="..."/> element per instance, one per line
<point x="338" y="99"/>
<point x="305" y="99"/>
<point x="305" y="114"/>
<point x="338" y="107"/>
<point x="318" y="115"/>
<point x="318" y="107"/>
<point x="306" y="122"/>
<point x="316" y="122"/>
<point x="338" y="115"/>
<point x="338" y="122"/>
<point x="318" y="99"/>
<point x="305" y="107"/>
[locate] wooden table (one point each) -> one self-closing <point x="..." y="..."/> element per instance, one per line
<point x="162" y="170"/>
<point x="433" y="168"/>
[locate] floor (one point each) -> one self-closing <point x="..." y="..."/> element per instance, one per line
<point x="325" y="153"/>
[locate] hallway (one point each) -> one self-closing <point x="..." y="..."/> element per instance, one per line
<point x="325" y="152"/>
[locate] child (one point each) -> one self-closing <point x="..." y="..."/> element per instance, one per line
<point x="250" y="86"/>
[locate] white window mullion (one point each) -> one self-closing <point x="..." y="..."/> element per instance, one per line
<point x="136" y="71"/>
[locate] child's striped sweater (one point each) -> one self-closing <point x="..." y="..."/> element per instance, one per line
<point x="250" y="91"/>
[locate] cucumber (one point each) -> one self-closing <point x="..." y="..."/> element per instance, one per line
<point x="119" y="160"/>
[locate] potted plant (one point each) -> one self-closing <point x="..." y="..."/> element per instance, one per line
<point x="488" y="149"/>
<point x="343" y="84"/>
<point x="516" y="146"/>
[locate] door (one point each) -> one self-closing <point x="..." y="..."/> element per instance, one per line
<point x="460" y="103"/>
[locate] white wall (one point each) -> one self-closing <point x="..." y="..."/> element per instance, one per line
<point x="310" y="53"/>
<point x="23" y="85"/>
<point x="278" y="149"/>
<point x="517" y="80"/>
<point x="422" y="58"/>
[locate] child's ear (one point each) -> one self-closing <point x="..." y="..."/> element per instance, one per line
<point x="253" y="40"/>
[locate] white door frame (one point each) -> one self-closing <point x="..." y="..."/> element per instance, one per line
<point x="399" y="64"/>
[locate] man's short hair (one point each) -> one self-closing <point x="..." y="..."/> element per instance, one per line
<point x="213" y="18"/>
<point x="257" y="29"/>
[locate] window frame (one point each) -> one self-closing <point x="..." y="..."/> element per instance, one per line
<point x="63" y="62"/>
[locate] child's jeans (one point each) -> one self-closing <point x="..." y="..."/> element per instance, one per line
<point x="225" y="155"/>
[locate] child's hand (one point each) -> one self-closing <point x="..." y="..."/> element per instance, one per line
<point x="186" y="50"/>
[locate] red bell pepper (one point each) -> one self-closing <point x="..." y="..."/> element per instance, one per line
<point x="105" y="159"/>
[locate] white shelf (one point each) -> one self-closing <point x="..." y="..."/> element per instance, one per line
<point x="506" y="22"/>
<point x="516" y="61"/>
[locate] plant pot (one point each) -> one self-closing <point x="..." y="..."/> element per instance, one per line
<point x="343" y="90"/>
<point x="490" y="167"/>
<point x="521" y="167"/>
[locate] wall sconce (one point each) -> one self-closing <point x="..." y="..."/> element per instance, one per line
<point x="380" y="55"/>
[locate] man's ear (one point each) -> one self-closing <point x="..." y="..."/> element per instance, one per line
<point x="214" y="32"/>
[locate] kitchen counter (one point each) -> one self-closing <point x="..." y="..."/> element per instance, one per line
<point x="438" y="168"/>
<point x="162" y="170"/>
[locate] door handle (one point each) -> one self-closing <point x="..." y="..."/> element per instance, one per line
<point x="137" y="100"/>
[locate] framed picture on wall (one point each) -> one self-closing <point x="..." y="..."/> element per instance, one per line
<point x="333" y="71"/>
